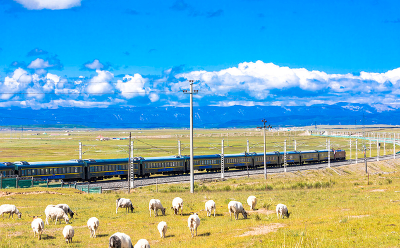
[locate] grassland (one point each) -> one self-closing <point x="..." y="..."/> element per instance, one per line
<point x="337" y="207"/>
<point x="58" y="144"/>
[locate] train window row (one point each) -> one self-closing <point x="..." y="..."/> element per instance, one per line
<point x="204" y="162"/>
<point x="236" y="160"/>
<point x="258" y="159"/>
<point x="6" y="173"/>
<point x="64" y="170"/>
<point x="163" y="164"/>
<point x="109" y="168"/>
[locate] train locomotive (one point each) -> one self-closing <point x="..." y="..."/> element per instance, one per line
<point x="98" y="169"/>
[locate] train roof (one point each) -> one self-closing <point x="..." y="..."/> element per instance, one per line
<point x="170" y="158"/>
<point x="206" y="156"/>
<point x="310" y="151"/>
<point x="108" y="161"/>
<point x="238" y="155"/>
<point x="267" y="153"/>
<point x="50" y="164"/>
<point x="6" y="166"/>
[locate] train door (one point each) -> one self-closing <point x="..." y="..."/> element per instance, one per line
<point x="140" y="172"/>
<point x="86" y="172"/>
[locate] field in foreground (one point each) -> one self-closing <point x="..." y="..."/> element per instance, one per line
<point x="329" y="208"/>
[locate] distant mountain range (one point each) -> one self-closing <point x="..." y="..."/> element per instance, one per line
<point x="204" y="117"/>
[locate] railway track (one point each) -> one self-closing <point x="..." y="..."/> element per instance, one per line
<point x="140" y="182"/>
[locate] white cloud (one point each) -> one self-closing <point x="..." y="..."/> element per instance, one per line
<point x="99" y="84"/>
<point x="154" y="97"/>
<point x="95" y="65"/>
<point x="131" y="86"/>
<point x="39" y="64"/>
<point x="49" y="4"/>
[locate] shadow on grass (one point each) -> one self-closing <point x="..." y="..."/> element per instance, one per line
<point x="204" y="234"/>
<point x="101" y="235"/>
<point x="48" y="237"/>
<point x="170" y="236"/>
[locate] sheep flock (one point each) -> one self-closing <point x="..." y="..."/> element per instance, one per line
<point x="62" y="212"/>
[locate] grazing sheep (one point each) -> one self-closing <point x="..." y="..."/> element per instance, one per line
<point x="155" y="205"/>
<point x="37" y="227"/>
<point x="124" y="203"/>
<point x="66" y="209"/>
<point x="9" y="209"/>
<point x="193" y="223"/>
<point x="281" y="211"/>
<point x="68" y="233"/>
<point x="177" y="203"/>
<point x="236" y="208"/>
<point x="210" y="205"/>
<point x="120" y="240"/>
<point x="142" y="243"/>
<point x="162" y="228"/>
<point x="252" y="201"/>
<point x="93" y="224"/>
<point x="55" y="213"/>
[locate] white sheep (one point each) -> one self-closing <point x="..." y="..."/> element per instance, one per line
<point x="193" y="223"/>
<point x="252" y="201"/>
<point x="124" y="203"/>
<point x="155" y="205"/>
<point x="68" y="233"/>
<point x="142" y="243"/>
<point x="162" y="228"/>
<point x="55" y="213"/>
<point x="93" y="223"/>
<point x="66" y="209"/>
<point x="37" y="227"/>
<point x="236" y="208"/>
<point x="177" y="203"/>
<point x="9" y="209"/>
<point x="282" y="210"/>
<point x="210" y="205"/>
<point x="120" y="240"/>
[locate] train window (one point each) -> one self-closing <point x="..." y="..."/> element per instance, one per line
<point x="23" y="172"/>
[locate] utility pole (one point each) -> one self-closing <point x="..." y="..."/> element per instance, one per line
<point x="329" y="153"/>
<point x="191" y="134"/>
<point x="350" y="148"/>
<point x="248" y="147"/>
<point x="129" y="162"/>
<point x="284" y="156"/>
<point x="377" y="148"/>
<point x="132" y="174"/>
<point x="384" y="144"/>
<point x="179" y="148"/>
<point x="394" y="146"/>
<point x="295" y="145"/>
<point x="265" y="151"/>
<point x="222" y="160"/>
<point x="80" y="150"/>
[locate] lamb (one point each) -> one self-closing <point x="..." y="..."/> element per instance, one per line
<point x="210" y="205"/>
<point x="193" y="223"/>
<point x="93" y="224"/>
<point x="56" y="213"/>
<point x="236" y="208"/>
<point x="162" y="228"/>
<point x="142" y="243"/>
<point x="120" y="240"/>
<point x="281" y="211"/>
<point x="66" y="209"/>
<point x="177" y="204"/>
<point x="68" y="233"/>
<point x="9" y="209"/>
<point x="37" y="226"/>
<point x="252" y="201"/>
<point x="155" y="205"/>
<point x="124" y="203"/>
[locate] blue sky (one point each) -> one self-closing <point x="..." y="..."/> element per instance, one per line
<point x="95" y="53"/>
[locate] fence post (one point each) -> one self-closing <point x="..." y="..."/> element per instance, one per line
<point x="101" y="190"/>
<point x="62" y="183"/>
<point x="88" y="188"/>
<point x="75" y="185"/>
<point x="1" y="181"/>
<point x="32" y="183"/>
<point x="47" y="182"/>
<point x="16" y="182"/>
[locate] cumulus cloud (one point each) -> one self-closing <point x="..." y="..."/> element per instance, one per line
<point x="36" y="52"/>
<point x="131" y="86"/>
<point x="99" y="84"/>
<point x="95" y="65"/>
<point x="49" y="4"/>
<point x="39" y="64"/>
